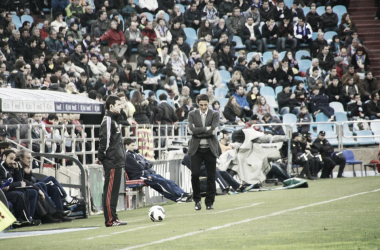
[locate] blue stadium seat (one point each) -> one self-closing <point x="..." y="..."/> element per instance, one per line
<point x="301" y="53"/>
<point x="306" y="10"/>
<point x="40" y="25"/>
<point x="339" y="9"/>
<point x="350" y="160"/>
<point x="377" y="139"/>
<point x="190" y="32"/>
<point x="300" y="78"/>
<point x="146" y="93"/>
<point x="348" y="141"/>
<point x="239" y="43"/>
<point x="278" y="90"/>
<point x="267" y="91"/>
<point x="271" y="101"/>
<point x="221" y="92"/>
<point x="323" y="118"/>
<point x="160" y="91"/>
<point x="321" y="10"/>
<point x="365" y="141"/>
<point x="190" y="41"/>
<point x="290" y="119"/>
<point x="304" y="65"/>
<point x="332" y="138"/>
<point x="267" y="56"/>
<point x="340" y="117"/>
<point x="131" y="94"/>
<point x="223" y="102"/>
<point x="226" y="76"/>
<point x="337" y="106"/>
<point x="329" y="35"/>
<point x="289" y="3"/>
<point x="375" y="125"/>
<point x="149" y="16"/>
<point x="203" y="91"/>
<point x="15" y="18"/>
<point x="282" y="55"/>
<point x="181" y="8"/>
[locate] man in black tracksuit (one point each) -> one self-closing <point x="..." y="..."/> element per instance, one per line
<point x="329" y="158"/>
<point x="299" y="155"/>
<point x="111" y="154"/>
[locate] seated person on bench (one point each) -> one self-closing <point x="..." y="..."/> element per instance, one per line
<point x="137" y="167"/>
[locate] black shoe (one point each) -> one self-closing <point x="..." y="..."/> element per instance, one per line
<point x="62" y="218"/>
<point x="48" y="219"/>
<point x="341" y="176"/>
<point x="198" y="205"/>
<point x="210" y="207"/>
<point x="309" y="177"/>
<point x="64" y="212"/>
<point x="35" y="222"/>
<point x="19" y="224"/>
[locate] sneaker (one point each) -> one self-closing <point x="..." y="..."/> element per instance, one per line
<point x="35" y="222"/>
<point x="241" y="189"/>
<point x="185" y="197"/>
<point x="73" y="202"/>
<point x="249" y="187"/>
<point x="19" y="224"/>
<point x="116" y="223"/>
<point x="332" y="119"/>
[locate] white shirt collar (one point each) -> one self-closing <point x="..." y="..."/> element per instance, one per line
<point x="205" y="114"/>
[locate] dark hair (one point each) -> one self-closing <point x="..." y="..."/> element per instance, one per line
<point x="92" y="94"/>
<point x="128" y="141"/>
<point x="111" y="100"/>
<point x="136" y="100"/>
<point x="8" y="152"/>
<point x="202" y="97"/>
<point x="225" y="132"/>
<point x="22" y="153"/>
<point x="163" y="97"/>
<point x="19" y="64"/>
<point x="214" y="103"/>
<point x="52" y="117"/>
<point x="4" y="145"/>
<point x="54" y="78"/>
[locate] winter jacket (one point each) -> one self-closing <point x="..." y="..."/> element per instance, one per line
<point x="284" y="100"/>
<point x="77" y="35"/>
<point x="226" y="7"/>
<point x="265" y="14"/>
<point x="334" y="91"/>
<point x="53" y="45"/>
<point x="191" y="16"/>
<point x="137" y="166"/>
<point x="142" y="113"/>
<point x="215" y="75"/>
<point x="19" y="79"/>
<point x="111" y="150"/>
<point x="280" y="15"/>
<point x="315" y="21"/>
<point x="235" y="23"/>
<point x="217" y="32"/>
<point x="241" y="100"/>
<point x="251" y="76"/>
<point x="146" y="52"/>
<point x="102" y="25"/>
<point x="130" y="35"/>
<point x="113" y="36"/>
<point x="323" y="147"/>
<point x="367" y="87"/>
<point x="149" y="33"/>
<point x="165" y="114"/>
<point x="59" y="5"/>
<point x="329" y="20"/>
<point x="326" y="63"/>
<point x="74" y="10"/>
<point x="265" y="75"/>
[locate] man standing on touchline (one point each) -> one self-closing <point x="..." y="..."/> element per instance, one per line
<point x="203" y="147"/>
<point x="111" y="154"/>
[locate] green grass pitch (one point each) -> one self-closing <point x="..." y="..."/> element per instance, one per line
<point x="330" y="214"/>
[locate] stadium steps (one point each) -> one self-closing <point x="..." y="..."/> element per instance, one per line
<point x="362" y="13"/>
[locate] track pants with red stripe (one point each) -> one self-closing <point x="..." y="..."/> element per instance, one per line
<point x="111" y="193"/>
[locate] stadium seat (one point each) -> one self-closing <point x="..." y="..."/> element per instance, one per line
<point x="149" y="16"/>
<point x="377" y="139"/>
<point x="15" y="18"/>
<point x="181" y="8"/>
<point x="226" y="76"/>
<point x="223" y="102"/>
<point x="288" y="3"/>
<point x="40" y="25"/>
<point x="250" y="55"/>
<point x="348" y="141"/>
<point x="190" y="32"/>
<point x="267" y="91"/>
<point x="301" y="53"/>
<point x="190" y="41"/>
<point x="314" y="35"/>
<point x="221" y="92"/>
<point x="329" y="35"/>
<point x="203" y="91"/>
<point x="321" y="10"/>
<point x="160" y="91"/>
<point x="339" y="9"/>
<point x="323" y="118"/>
<point x="375" y="125"/>
<point x="278" y="90"/>
<point x="362" y="141"/>
<point x="271" y="101"/>
<point x="300" y="78"/>
<point x="146" y="93"/>
<point x="131" y="94"/>
<point x="337" y="106"/>
<point x="304" y="65"/>
<point x="267" y="56"/>
<point x="239" y="44"/>
<point x="282" y="55"/>
<point x="332" y="138"/>
<point x="340" y="117"/>
<point x="290" y="119"/>
<point x="350" y="160"/>
<point x="306" y="10"/>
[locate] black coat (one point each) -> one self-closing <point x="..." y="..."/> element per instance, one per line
<point x="284" y="100"/>
<point x="334" y="91"/>
<point x="165" y="114"/>
<point x="230" y="114"/>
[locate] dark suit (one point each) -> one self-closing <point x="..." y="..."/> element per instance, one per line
<point x="207" y="155"/>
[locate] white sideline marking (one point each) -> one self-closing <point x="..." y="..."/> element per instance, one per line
<point x="232" y="209"/>
<point x="247" y="220"/>
<point x="120" y="232"/>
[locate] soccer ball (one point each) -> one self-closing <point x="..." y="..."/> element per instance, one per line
<point x="157" y="213"/>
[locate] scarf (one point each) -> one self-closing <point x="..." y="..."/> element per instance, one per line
<point x="210" y="13"/>
<point x="237" y="109"/>
<point x="178" y="66"/>
<point x="251" y="29"/>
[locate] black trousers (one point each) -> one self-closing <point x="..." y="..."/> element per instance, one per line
<point x="20" y="201"/>
<point x="330" y="163"/>
<point x="111" y="188"/>
<point x="203" y="155"/>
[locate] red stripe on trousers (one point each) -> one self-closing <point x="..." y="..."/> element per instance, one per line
<point x="109" y="194"/>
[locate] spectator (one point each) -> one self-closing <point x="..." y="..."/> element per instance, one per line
<point x="225" y="61"/>
<point x="350" y="89"/>
<point x="253" y="123"/>
<point x="346" y="27"/>
<point x="329" y="19"/>
<point x="335" y="91"/>
<point x="236" y="21"/>
<point x="213" y="77"/>
<point x="154" y="77"/>
<point x="355" y="108"/>
<point x="177" y="15"/>
<point x="226" y="9"/>
<point x="100" y="25"/>
<point x="182" y="45"/>
<point x="261" y="107"/>
<point x="116" y="39"/>
<point x="240" y="65"/>
<point x="236" y="80"/>
<point x="266" y="11"/>
<point x="360" y="60"/>
<point x="241" y="99"/>
<point x="314" y="19"/>
<point x="284" y="73"/>
<point x="303" y="33"/>
<point x="297" y="12"/>
<point x="312" y="80"/>
<point x="75" y="32"/>
<point x="216" y="107"/>
<point x="251" y="35"/>
<point x="326" y="59"/>
<point x="274" y="130"/>
<point x="372" y="107"/>
<point x="133" y="38"/>
<point x="16" y="43"/>
<point x="304" y="117"/>
<point x="142" y="113"/>
<point x="165" y="116"/>
<point x="58" y="22"/>
<point x="368" y="86"/>
<point x="205" y="29"/>
<point x="140" y="77"/>
<point x="268" y="75"/>
<point x="192" y="16"/>
<point x="318" y="44"/>
<point x="252" y="73"/>
<point x="282" y="12"/>
<point x="87" y="18"/>
<point x="210" y="13"/>
<point x="176" y="70"/>
<point x="320" y="103"/>
<point x="286" y="36"/>
<point x="74" y="11"/>
<point x="253" y="97"/>
<point x="163" y="32"/>
<point x="196" y="79"/>
<point x="96" y="67"/>
<point x="52" y="43"/>
<point x="269" y="33"/>
<point x="315" y="64"/>
<point x="287" y="101"/>
<point x="253" y="12"/>
<point x="233" y="112"/>
<point x="149" y="32"/>
<point x="17" y="77"/>
<point x="351" y="74"/>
